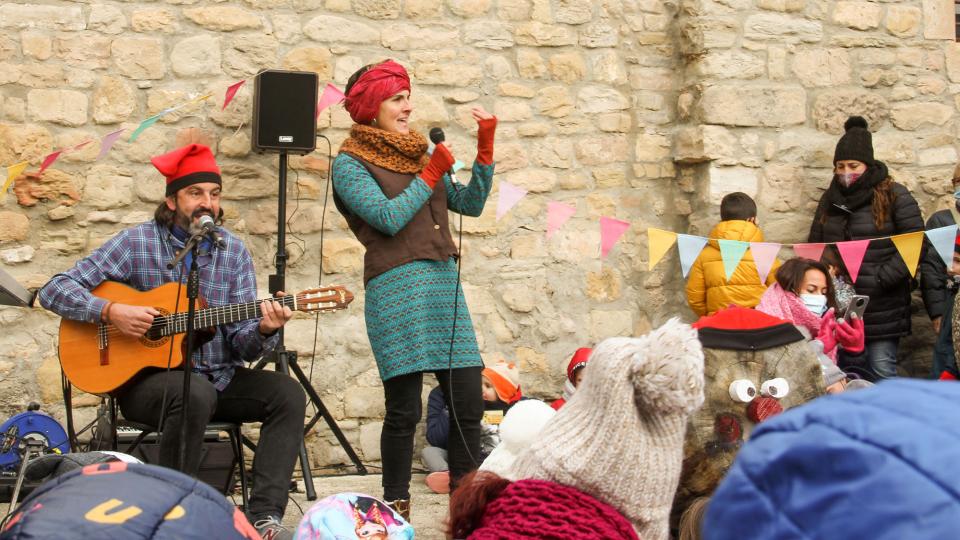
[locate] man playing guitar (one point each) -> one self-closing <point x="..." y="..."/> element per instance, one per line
<point x="222" y="389"/>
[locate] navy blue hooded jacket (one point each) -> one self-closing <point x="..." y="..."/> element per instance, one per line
<point x="876" y="463"/>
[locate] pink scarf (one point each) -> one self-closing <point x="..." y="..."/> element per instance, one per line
<point x="787" y="305"/>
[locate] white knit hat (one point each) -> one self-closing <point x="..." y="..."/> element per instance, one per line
<point x="520" y="428"/>
<point x="620" y="438"/>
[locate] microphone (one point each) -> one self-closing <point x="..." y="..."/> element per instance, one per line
<point x="437" y="136"/>
<point x="209" y="229"/>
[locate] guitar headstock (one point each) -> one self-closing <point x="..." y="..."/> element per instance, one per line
<point x="323" y="299"/>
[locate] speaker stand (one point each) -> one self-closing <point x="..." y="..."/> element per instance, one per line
<point x="284" y="360"/>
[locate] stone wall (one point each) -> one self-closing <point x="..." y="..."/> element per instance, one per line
<point x="643" y="110"/>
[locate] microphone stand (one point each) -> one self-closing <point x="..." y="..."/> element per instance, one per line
<point x="193" y="291"/>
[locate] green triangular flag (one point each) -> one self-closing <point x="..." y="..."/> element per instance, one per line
<point x="732" y="251"/>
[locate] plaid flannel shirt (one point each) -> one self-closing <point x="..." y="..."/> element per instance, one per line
<point x="138" y="257"/>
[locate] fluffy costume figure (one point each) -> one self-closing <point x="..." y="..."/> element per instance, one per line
<point x="519" y="430"/>
<point x="620" y="438"/>
<point x="743" y="349"/>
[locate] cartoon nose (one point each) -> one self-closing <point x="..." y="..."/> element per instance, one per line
<point x="727" y="428"/>
<point x="763" y="408"/>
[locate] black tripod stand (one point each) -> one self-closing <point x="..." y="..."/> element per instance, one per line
<point x="286" y="361"/>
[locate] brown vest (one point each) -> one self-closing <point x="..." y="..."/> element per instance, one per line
<point x="425" y="236"/>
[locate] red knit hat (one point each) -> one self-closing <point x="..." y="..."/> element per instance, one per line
<point x="188" y="165"/>
<point x="578" y="361"/>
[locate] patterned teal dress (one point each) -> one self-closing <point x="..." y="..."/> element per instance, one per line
<point x="410" y="309"/>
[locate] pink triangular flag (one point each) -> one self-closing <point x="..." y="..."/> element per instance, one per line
<point x="764" y="253"/>
<point x="852" y="253"/>
<point x="231" y="91"/>
<point x="331" y="96"/>
<point x="81" y="145"/>
<point x="48" y="161"/>
<point x="610" y="231"/>
<point x="510" y="195"/>
<point x="557" y="214"/>
<point x="107" y="143"/>
<point x="809" y="251"/>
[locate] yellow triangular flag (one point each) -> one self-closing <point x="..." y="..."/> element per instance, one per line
<point x="659" y="243"/>
<point x="13" y="172"/>
<point x="909" y="247"/>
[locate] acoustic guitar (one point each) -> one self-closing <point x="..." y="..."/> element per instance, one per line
<point x="98" y="359"/>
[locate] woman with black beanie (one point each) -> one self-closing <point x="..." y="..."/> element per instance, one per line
<point x="863" y="202"/>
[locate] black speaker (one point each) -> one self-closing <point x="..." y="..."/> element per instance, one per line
<point x="285" y="111"/>
<point x="217" y="461"/>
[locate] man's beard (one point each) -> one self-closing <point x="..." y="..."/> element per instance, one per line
<point x="185" y="222"/>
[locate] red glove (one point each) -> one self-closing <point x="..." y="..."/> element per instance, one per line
<point x="440" y="163"/>
<point x="851" y="335"/>
<point x="827" y="333"/>
<point x="485" y="131"/>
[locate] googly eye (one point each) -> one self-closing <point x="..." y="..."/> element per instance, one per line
<point x="742" y="391"/>
<point x="775" y="388"/>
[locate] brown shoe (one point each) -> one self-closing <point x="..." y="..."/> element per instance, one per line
<point x="402" y="507"/>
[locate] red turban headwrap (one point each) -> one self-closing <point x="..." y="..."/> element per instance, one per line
<point x="375" y="85"/>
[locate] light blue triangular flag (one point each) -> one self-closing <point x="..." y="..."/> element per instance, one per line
<point x="943" y="239"/>
<point x="690" y="248"/>
<point x="458" y="165"/>
<point x="143" y="126"/>
<point x="732" y="251"/>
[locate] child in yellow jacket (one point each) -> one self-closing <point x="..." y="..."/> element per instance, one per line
<point x="708" y="289"/>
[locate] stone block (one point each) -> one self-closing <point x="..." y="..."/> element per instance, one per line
<point x="953" y="61"/>
<point x="533" y="180"/>
<point x="512" y="111"/>
<point x="108" y="187"/>
<point x="333" y="29"/>
<point x="831" y="109"/>
<point x="573" y="11"/>
<point x="655" y="79"/>
<point x="38" y="75"/>
<point x="520" y="298"/>
<point x="113" y="101"/>
<point x="405" y="36"/>
<point x="938" y="20"/>
<point x="64" y="107"/>
<point x="316" y="59"/>
<point x="607" y="67"/>
<point x="342" y="256"/>
<point x="247" y="54"/>
<point x="857" y="14"/>
<point x="605" y="285"/>
<point x="822" y="67"/>
<point x="459" y="75"/>
<point x="944" y="155"/>
<point x="606" y="324"/>
<point x="753" y="106"/>
<point x="531" y="361"/>
<point x="523" y="247"/>
<point x="223" y="18"/>
<point x="782" y="5"/>
<point x="423" y="9"/>
<point x="84" y="50"/>
<point x="782" y="28"/>
<point x="364" y="403"/>
<point x="469" y="8"/>
<point x="14" y="226"/>
<point x="651" y="147"/>
<point x="36" y="45"/>
<point x="705" y="143"/>
<point x="154" y="20"/>
<point x="903" y="21"/>
<point x="196" y="56"/>
<point x="513" y="10"/>
<point x="286" y="27"/>
<point x="602" y="149"/>
<point x="512" y="89"/>
<point x="724" y="180"/>
<point x="487" y="35"/>
<point x="538" y="34"/>
<point x="139" y="58"/>
<point x="377" y="9"/>
<point x="732" y="64"/>
<point x="370" y="440"/>
<point x="54" y="17"/>
<point x="554" y="101"/>
<point x="601" y="99"/>
<point x="911" y="116"/>
<point x="599" y="34"/>
<point x="553" y="152"/>
<point x="530" y="64"/>
<point x="17" y="255"/>
<point x="567" y="67"/>
<point x="106" y="19"/>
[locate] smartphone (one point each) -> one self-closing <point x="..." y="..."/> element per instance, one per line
<point x="858" y="304"/>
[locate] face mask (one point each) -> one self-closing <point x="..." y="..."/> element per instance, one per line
<point x="817" y="303"/>
<point x="847" y="179"/>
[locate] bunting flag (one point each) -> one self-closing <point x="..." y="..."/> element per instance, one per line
<point x="457" y="165"/>
<point x="231" y="91"/>
<point x="909" y="246"/>
<point x="659" y="243"/>
<point x="809" y="251"/>
<point x="107" y="143"/>
<point x="689" y="247"/>
<point x="81" y="145"/>
<point x="510" y="195"/>
<point x="852" y="253"/>
<point x="144" y="125"/>
<point x="943" y="239"/>
<point x="331" y="96"/>
<point x="611" y="230"/>
<point x="48" y="161"/>
<point x="13" y="172"/>
<point x="557" y="214"/>
<point x="731" y="251"/>
<point x="764" y="253"/>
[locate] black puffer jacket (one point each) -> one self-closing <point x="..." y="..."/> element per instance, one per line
<point x="883" y="276"/>
<point x="933" y="273"/>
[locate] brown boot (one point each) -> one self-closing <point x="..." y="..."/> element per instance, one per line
<point x="402" y="507"/>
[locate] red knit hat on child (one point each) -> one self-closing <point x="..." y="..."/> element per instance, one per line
<point x="187" y="165"/>
<point x="578" y="361"/>
<point x="505" y="379"/>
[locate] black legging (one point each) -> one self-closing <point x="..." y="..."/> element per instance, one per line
<point x="402" y="396"/>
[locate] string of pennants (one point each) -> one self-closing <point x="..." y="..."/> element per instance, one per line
<point x="908" y="245"/>
<point x="331" y="95"/>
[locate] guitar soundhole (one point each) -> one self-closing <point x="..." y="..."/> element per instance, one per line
<point x="154" y="337"/>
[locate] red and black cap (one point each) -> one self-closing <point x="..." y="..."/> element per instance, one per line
<point x="187" y="165"/>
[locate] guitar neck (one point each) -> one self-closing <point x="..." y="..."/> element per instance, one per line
<point x="215" y="316"/>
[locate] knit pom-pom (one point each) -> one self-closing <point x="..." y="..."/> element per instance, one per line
<point x="855" y="121"/>
<point x="667" y="370"/>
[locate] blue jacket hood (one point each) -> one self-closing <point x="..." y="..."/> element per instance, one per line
<point x="876" y="463"/>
